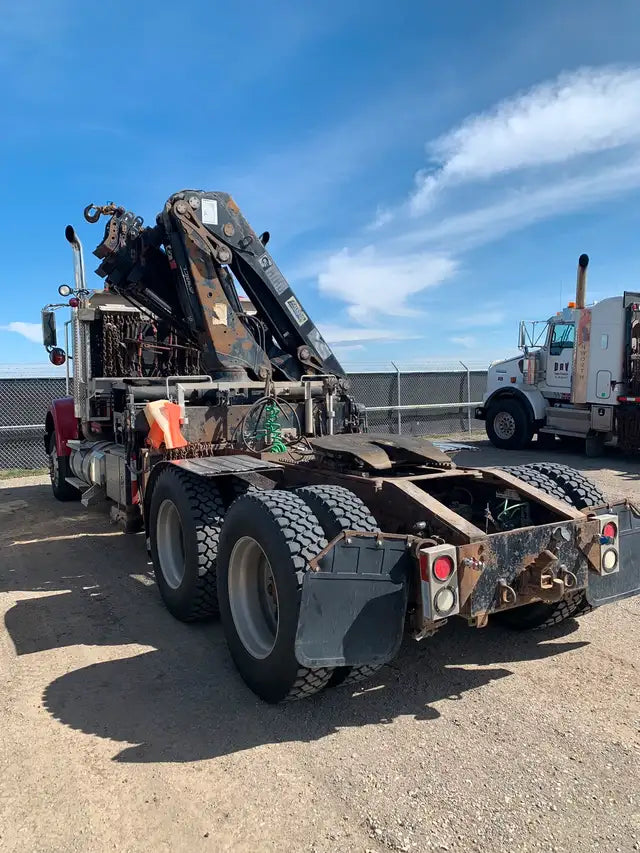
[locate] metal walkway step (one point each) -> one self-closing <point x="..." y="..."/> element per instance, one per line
<point x="79" y="484"/>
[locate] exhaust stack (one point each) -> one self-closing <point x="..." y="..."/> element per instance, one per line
<point x="581" y="283"/>
<point x="78" y="258"/>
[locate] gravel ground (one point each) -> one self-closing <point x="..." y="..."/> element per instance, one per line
<point x="123" y="729"/>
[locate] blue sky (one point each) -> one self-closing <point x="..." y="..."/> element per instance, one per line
<point x="429" y="172"/>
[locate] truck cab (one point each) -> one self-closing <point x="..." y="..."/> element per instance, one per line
<point x="575" y="378"/>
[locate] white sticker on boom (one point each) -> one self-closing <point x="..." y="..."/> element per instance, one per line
<point x="296" y="310"/>
<point x="209" y="211"/>
<point x="278" y="281"/>
<point x="318" y="343"/>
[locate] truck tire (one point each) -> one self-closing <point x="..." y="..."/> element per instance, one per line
<point x="580" y="490"/>
<point x="338" y="509"/>
<point x="58" y="472"/>
<point x="266" y="543"/>
<point x="539" y="479"/>
<point x="540" y="616"/>
<point x="184" y="526"/>
<point x="508" y="424"/>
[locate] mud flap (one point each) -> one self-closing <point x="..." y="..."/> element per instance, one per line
<point x="353" y="607"/>
<point x="603" y="589"/>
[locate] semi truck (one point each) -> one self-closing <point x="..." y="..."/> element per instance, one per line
<point x="577" y="377"/>
<point x="232" y="440"/>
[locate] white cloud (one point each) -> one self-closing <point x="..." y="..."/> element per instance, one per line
<point x="567" y="144"/>
<point x="31" y="331"/>
<point x="376" y="284"/>
<point x="466" y="341"/>
<point x="522" y="206"/>
<point x="343" y="335"/>
<point x="586" y="111"/>
<point x="383" y="216"/>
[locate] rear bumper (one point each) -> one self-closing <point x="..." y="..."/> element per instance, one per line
<point x="356" y="598"/>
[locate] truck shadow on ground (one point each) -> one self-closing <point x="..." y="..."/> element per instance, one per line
<point x="183" y="700"/>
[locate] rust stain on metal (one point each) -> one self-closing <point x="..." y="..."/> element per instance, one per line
<point x="472" y="559"/>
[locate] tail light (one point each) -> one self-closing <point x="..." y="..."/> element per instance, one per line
<point x="609" y="544"/>
<point x="57" y="356"/>
<point x="438" y="582"/>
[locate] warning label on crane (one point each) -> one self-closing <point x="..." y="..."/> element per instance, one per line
<point x="209" y="211"/>
<point x="296" y="311"/>
<point x="278" y="281"/>
<point x="318" y="343"/>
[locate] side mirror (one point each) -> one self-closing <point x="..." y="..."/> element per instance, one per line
<point x="49" y="337"/>
<point x="521" y="335"/>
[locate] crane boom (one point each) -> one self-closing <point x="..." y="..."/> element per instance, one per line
<point x="187" y="269"/>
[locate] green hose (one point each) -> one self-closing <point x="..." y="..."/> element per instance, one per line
<point x="272" y="432"/>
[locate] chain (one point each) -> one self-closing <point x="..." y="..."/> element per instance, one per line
<point x="127" y="339"/>
<point x="194" y="450"/>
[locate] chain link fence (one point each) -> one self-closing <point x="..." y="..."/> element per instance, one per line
<point x="23" y="408"/>
<point x="438" y="401"/>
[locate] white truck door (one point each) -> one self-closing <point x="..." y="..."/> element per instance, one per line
<point x="560" y="355"/>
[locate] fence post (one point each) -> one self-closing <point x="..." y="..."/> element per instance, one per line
<point x="468" y="397"/>
<point x="398" y="398"/>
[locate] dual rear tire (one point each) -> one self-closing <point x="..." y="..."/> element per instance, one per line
<point x="247" y="563"/>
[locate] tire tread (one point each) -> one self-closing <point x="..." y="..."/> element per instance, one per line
<point x="338" y="509"/>
<point x="305" y="539"/>
<point x="207" y="510"/>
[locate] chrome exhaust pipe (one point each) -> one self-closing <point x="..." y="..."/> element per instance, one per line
<point x="78" y="257"/>
<point x="81" y="354"/>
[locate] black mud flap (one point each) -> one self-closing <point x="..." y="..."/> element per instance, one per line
<point x="353" y="608"/>
<point x="603" y="589"/>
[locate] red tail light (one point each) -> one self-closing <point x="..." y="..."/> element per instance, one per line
<point x="610" y="530"/>
<point x="443" y="568"/>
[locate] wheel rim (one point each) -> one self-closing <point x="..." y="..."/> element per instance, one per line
<point x="253" y="597"/>
<point x="170" y="542"/>
<point x="504" y="425"/>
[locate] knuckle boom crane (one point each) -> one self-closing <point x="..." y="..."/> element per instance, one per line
<point x="223" y="425"/>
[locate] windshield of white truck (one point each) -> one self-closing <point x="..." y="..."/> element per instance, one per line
<point x="562" y="338"/>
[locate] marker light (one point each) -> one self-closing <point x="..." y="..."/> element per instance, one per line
<point x="57" y="356"/>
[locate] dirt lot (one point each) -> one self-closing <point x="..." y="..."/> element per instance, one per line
<point x="123" y="729"/>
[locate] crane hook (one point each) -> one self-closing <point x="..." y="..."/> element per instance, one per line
<point x="89" y="216"/>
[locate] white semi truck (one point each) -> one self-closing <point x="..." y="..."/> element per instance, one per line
<point x="577" y="377"/>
